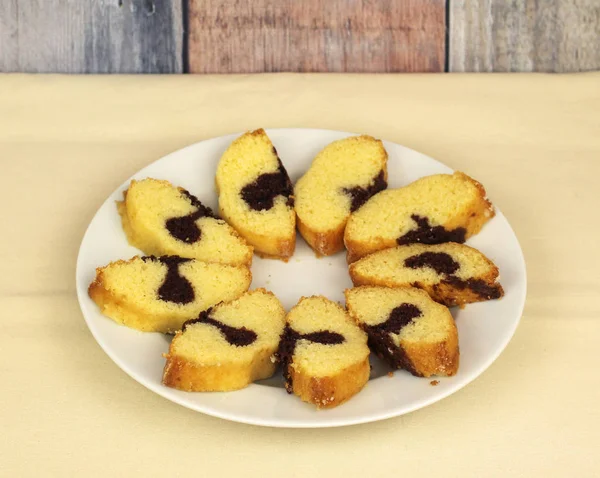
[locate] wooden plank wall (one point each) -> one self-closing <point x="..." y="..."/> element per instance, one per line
<point x="232" y="36"/>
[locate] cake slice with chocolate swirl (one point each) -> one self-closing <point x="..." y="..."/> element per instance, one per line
<point x="324" y="354"/>
<point x="406" y="328"/>
<point x="161" y="219"/>
<point x="341" y="178"/>
<point x="158" y="294"/>
<point x="431" y="210"/>
<point x="228" y="346"/>
<point x="256" y="195"/>
<point x="451" y="273"/>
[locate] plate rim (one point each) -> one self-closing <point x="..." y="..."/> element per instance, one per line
<point x="292" y="423"/>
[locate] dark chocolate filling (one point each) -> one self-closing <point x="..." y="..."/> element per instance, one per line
<point x="184" y="228"/>
<point x="382" y="344"/>
<point x="480" y="287"/>
<point x="359" y="195"/>
<point x="446" y="266"/>
<point x="427" y="234"/>
<point x="238" y="336"/>
<point x="261" y="193"/>
<point x="440" y="262"/>
<point x="174" y="288"/>
<point x="287" y="345"/>
<point x="399" y="318"/>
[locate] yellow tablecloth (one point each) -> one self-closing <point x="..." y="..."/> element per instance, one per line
<point x="67" y="142"/>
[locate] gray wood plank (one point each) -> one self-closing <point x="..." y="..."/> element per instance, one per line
<point x="8" y="33"/>
<point x="524" y="35"/>
<point x="91" y="36"/>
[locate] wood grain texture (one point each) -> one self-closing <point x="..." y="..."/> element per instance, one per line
<point x="237" y="36"/>
<point x="524" y="35"/>
<point x="91" y="36"/>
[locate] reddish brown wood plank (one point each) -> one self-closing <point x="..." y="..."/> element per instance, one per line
<point x="237" y="36"/>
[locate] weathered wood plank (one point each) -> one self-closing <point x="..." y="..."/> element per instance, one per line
<point x="8" y="31"/>
<point x="238" y="36"/>
<point x="91" y="36"/>
<point x="524" y="35"/>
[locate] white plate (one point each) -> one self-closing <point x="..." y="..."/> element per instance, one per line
<point x="484" y="328"/>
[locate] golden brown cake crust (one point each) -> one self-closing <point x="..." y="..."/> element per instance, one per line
<point x="127" y="229"/>
<point x="113" y="306"/>
<point x="472" y="220"/>
<point x="264" y="246"/>
<point x="357" y="250"/>
<point x="434" y="359"/>
<point x="329" y="392"/>
<point x="323" y="243"/>
<point x="191" y="377"/>
<point x="481" y="212"/>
